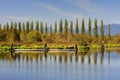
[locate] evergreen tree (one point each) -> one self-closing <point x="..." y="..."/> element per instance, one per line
<point x="11" y="27"/>
<point x="41" y="27"/>
<point x="23" y="27"/>
<point x="71" y="27"/>
<point x="23" y="34"/>
<point x="19" y="27"/>
<point x="46" y="29"/>
<point x="76" y="27"/>
<point x="31" y="26"/>
<point x="102" y="30"/>
<point x="37" y="26"/>
<point x="27" y="26"/>
<point x="51" y="29"/>
<point x="7" y="26"/>
<point x="95" y="28"/>
<point x="83" y="27"/>
<point x="61" y="26"/>
<point x="89" y="27"/>
<point x="17" y="38"/>
<point x="66" y="27"/>
<point x="1" y="32"/>
<point x="109" y="31"/>
<point x="55" y="28"/>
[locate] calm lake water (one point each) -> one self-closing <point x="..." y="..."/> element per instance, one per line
<point x="60" y="66"/>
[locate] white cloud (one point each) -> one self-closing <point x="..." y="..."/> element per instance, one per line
<point x="61" y="12"/>
<point x="15" y="18"/>
<point x="86" y="5"/>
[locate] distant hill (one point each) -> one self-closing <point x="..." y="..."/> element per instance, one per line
<point x="115" y="28"/>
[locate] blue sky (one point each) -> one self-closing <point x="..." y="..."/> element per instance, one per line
<point x="54" y="10"/>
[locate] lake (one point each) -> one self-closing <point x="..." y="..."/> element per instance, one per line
<point x="60" y="66"/>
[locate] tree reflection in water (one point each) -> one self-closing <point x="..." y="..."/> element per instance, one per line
<point x="59" y="57"/>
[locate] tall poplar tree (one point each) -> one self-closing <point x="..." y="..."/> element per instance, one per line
<point x="27" y="27"/>
<point x="41" y="27"/>
<point x="89" y="27"/>
<point x="109" y="31"/>
<point x="66" y="27"/>
<point x="60" y="26"/>
<point x="31" y="26"/>
<point x="102" y="30"/>
<point x="37" y="26"/>
<point x="55" y="28"/>
<point x="51" y="29"/>
<point x="46" y="29"/>
<point x="76" y="27"/>
<point x="19" y="27"/>
<point x="83" y="27"/>
<point x="11" y="27"/>
<point x="95" y="29"/>
<point x="71" y="27"/>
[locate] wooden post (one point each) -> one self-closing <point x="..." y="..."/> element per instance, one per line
<point x="11" y="48"/>
<point x="102" y="47"/>
<point x="45" y="47"/>
<point x="76" y="49"/>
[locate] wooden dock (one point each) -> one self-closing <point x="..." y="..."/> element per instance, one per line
<point x="45" y="49"/>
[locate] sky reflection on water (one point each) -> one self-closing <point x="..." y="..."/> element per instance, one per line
<point x="60" y="66"/>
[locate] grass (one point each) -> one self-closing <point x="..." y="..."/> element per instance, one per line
<point x="58" y="46"/>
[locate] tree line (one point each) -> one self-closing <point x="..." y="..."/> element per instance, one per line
<point x="37" y="31"/>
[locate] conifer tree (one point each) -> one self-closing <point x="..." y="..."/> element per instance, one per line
<point x="7" y="26"/>
<point x="41" y="27"/>
<point x="71" y="27"/>
<point x="60" y="26"/>
<point x="109" y="31"/>
<point x="11" y="27"/>
<point x="46" y="29"/>
<point x="102" y="30"/>
<point x="51" y="29"/>
<point x="23" y="27"/>
<point x="19" y="27"/>
<point x="95" y="29"/>
<point x="37" y="26"/>
<point x="76" y="27"/>
<point x="89" y="27"/>
<point x="55" y="28"/>
<point x="27" y="27"/>
<point x="31" y="26"/>
<point x="66" y="27"/>
<point x="83" y="27"/>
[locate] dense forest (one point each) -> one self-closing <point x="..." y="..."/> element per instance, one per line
<point x="67" y="33"/>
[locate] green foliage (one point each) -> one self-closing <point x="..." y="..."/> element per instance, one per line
<point x="28" y="32"/>
<point x="41" y="27"/>
<point x="46" y="29"/>
<point x="66" y="27"/>
<point x="19" y="27"/>
<point x="109" y="29"/>
<point x="11" y="27"/>
<point x="51" y="29"/>
<point x="76" y="27"/>
<point x="83" y="27"/>
<point x="71" y="27"/>
<point x="55" y="28"/>
<point x="27" y="27"/>
<point x="102" y="30"/>
<point x="89" y="27"/>
<point x="37" y="26"/>
<point x="34" y="36"/>
<point x="95" y="28"/>
<point x="60" y="26"/>
<point x="31" y="26"/>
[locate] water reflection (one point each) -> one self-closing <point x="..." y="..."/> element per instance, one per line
<point x="60" y="66"/>
<point x="81" y="57"/>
